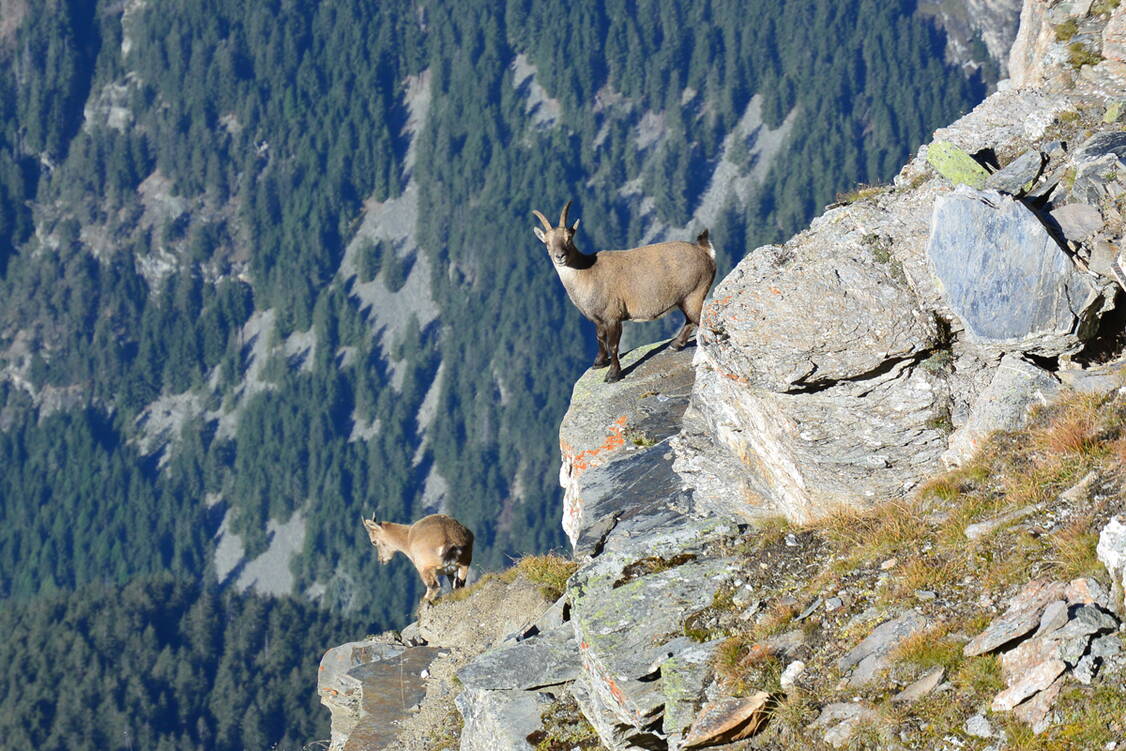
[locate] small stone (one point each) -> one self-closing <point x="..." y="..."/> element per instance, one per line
<point x="833" y="603"/>
<point x="981" y="529"/>
<point x="847" y="717"/>
<point x="871" y="655"/>
<point x="809" y="609"/>
<point x="751" y="610"/>
<point x="890" y="563"/>
<point x="925" y="594"/>
<point x="920" y="688"/>
<point x="1084" y="671"/>
<point x="791" y="540"/>
<point x="978" y="727"/>
<point x="790" y="674"/>
<point x="785" y="643"/>
<point x="1037" y="679"/>
<point x="1079" y="491"/>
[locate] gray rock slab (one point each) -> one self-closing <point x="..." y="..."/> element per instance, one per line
<point x="1020" y="618"/>
<point x="627" y="632"/>
<point x="842" y="720"/>
<point x="543" y="660"/>
<point x="978" y="727"/>
<point x="1084" y="670"/>
<point x="1053" y="617"/>
<point x="983" y="528"/>
<point x="1005" y="276"/>
<point x="1103" y="379"/>
<point x="499" y="720"/>
<point x="1106" y="646"/>
<point x="1016" y="386"/>
<point x="621" y="496"/>
<point x="609" y="422"/>
<point x="1036" y="711"/>
<point x="871" y="655"/>
<point x="1017" y="175"/>
<point x="368" y="686"/>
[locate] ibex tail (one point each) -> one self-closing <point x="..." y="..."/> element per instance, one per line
<point x="703" y="241"/>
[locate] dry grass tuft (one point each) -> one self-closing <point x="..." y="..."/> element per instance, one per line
<point x="876" y="533"/>
<point x="1073" y="548"/>
<point x="550" y="571"/>
<point x="1074" y="430"/>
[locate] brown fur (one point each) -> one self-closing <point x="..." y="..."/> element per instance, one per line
<point x="611" y="286"/>
<point x="436" y="545"/>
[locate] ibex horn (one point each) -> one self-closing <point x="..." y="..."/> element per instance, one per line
<point x="563" y="216"/>
<point x="543" y="220"/>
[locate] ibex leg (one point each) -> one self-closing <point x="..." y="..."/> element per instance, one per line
<point x="613" y="337"/>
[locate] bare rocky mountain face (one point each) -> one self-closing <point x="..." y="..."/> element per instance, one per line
<point x="835" y="376"/>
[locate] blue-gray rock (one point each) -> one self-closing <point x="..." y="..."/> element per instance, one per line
<point x="1018" y="175"/>
<point x="499" y="720"/>
<point x="1101" y="144"/>
<point x="872" y="654"/>
<point x="546" y="659"/>
<point x="1006" y="278"/>
<point x="1020" y="618"/>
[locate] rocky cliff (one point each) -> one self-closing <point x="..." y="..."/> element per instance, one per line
<point x="876" y="505"/>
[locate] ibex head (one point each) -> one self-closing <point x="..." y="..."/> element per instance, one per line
<point x="559" y="240"/>
<point x="378" y="539"/>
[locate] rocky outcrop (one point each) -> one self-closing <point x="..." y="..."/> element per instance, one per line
<point x="844" y="366"/>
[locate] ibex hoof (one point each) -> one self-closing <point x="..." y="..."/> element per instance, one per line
<point x="613" y="376"/>
<point x="598" y="364"/>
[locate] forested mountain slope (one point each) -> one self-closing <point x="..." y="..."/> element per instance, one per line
<point x="266" y="267"/>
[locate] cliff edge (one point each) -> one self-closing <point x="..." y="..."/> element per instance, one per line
<point x="880" y="503"/>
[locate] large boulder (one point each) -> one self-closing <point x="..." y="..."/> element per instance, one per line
<point x="810" y="388"/>
<point x="1007" y="278"/>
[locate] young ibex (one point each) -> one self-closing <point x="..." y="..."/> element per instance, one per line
<point x="641" y="284"/>
<point x="437" y="546"/>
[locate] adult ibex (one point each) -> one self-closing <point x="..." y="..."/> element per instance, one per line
<point x="640" y="284"/>
<point x="437" y="545"/>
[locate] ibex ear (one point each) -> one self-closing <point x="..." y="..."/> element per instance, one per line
<point x="369" y="523"/>
<point x="540" y="234"/>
